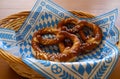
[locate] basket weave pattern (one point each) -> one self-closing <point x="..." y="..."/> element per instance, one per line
<point x="14" y="22"/>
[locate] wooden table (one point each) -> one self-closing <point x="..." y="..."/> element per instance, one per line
<point x="96" y="7"/>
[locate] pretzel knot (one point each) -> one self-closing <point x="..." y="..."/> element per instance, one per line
<point x="72" y="36"/>
<point x="91" y="40"/>
<point x="70" y="25"/>
<point x="68" y="54"/>
<point x="81" y="28"/>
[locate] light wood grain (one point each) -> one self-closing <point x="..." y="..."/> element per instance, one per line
<point x="96" y="7"/>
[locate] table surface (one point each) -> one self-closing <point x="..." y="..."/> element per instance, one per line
<point x="96" y="7"/>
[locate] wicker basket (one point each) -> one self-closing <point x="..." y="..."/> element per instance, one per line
<point x="14" y="22"/>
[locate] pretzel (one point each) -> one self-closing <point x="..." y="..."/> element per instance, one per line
<point x="48" y="41"/>
<point x="66" y="43"/>
<point x="69" y="24"/>
<point x="68" y="54"/>
<point x="89" y="41"/>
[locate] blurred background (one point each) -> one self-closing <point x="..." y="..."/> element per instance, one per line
<point x="95" y="7"/>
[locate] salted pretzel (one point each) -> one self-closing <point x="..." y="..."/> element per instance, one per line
<point x="68" y="54"/>
<point x="48" y="41"/>
<point x="69" y="24"/>
<point x="66" y="43"/>
<point x="89" y="41"/>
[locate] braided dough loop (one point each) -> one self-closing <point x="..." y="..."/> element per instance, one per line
<point x="69" y="24"/>
<point x="64" y="44"/>
<point x="90" y="42"/>
<point x="48" y="41"/>
<point x="69" y="54"/>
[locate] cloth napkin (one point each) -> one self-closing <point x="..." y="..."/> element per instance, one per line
<point x="98" y="64"/>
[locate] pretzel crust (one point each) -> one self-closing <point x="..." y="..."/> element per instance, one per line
<point x="68" y="51"/>
<point x="48" y="41"/>
<point x="70" y="25"/>
<point x="90" y="42"/>
<point x="68" y="54"/>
